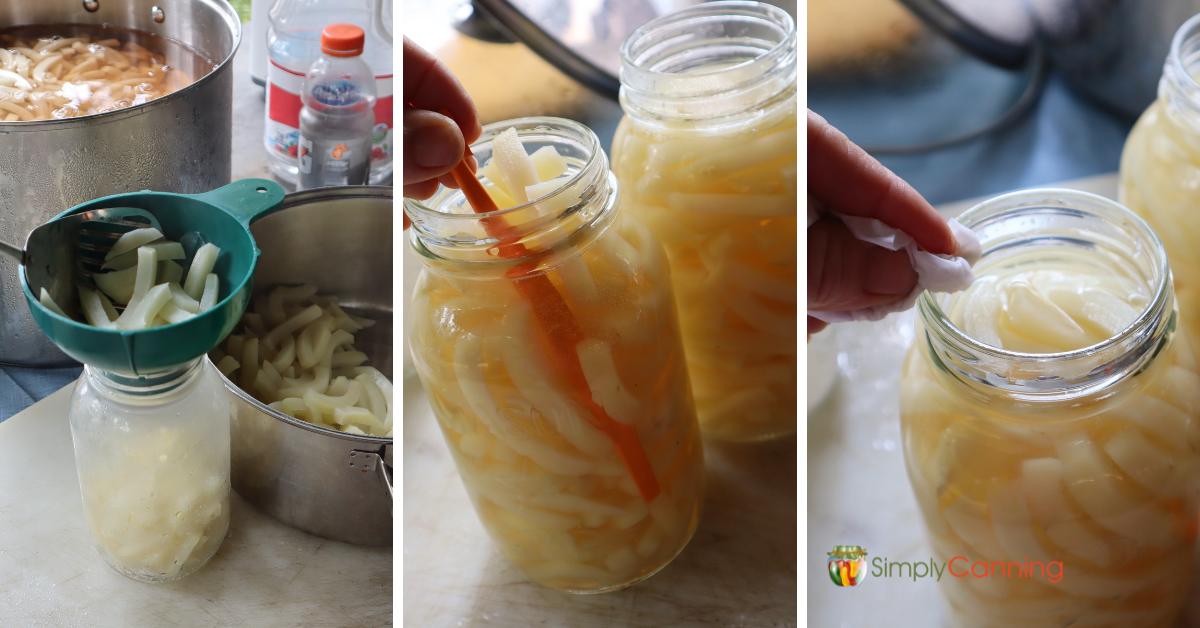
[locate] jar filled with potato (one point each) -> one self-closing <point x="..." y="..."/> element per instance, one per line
<point x="1049" y="416"/>
<point x="152" y="452"/>
<point x="706" y="158"/>
<point x="151" y="448"/>
<point x="545" y="334"/>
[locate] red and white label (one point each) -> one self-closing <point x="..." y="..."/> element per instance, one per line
<point x="283" y="113"/>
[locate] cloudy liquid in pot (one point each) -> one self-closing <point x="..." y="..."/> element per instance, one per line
<point x="61" y="71"/>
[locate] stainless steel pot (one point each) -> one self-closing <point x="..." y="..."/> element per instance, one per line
<point x="179" y="143"/>
<point x="324" y="482"/>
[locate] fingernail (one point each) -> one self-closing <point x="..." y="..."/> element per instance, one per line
<point x="433" y="149"/>
<point x="891" y="275"/>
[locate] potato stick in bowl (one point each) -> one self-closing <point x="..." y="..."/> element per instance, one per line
<point x="295" y="352"/>
<point x="145" y="290"/>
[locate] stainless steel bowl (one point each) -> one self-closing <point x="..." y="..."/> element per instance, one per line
<point x="178" y="143"/>
<point x="324" y="482"/>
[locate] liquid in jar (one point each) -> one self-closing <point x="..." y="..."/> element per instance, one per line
<point x="706" y="156"/>
<point x="1049" y="419"/>
<point x="585" y="491"/>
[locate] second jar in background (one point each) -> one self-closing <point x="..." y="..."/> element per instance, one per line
<point x="552" y="358"/>
<point x="1160" y="167"/>
<point x="706" y="157"/>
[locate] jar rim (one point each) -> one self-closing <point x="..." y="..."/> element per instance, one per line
<point x="764" y="67"/>
<point x="1057" y="198"/>
<point x="768" y="11"/>
<point x="418" y="208"/>
<point x="588" y="190"/>
<point x="1175" y="58"/>
<point x="149" y="385"/>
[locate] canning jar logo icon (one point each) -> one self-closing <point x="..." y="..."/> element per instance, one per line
<point x="847" y="565"/>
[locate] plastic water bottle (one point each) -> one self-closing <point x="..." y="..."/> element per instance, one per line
<point x="337" y="119"/>
<point x="293" y="44"/>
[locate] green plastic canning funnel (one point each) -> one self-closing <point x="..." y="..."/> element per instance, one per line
<point x="222" y="217"/>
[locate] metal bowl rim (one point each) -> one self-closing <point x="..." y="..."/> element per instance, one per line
<point x="299" y="199"/>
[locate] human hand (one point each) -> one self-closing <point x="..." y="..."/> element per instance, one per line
<point x="439" y="122"/>
<point x="845" y="273"/>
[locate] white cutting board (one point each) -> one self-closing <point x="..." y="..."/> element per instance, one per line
<point x="265" y="574"/>
<point x="858" y="491"/>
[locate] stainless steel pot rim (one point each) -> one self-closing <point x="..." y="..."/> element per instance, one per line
<point x="293" y="200"/>
<point x="231" y="18"/>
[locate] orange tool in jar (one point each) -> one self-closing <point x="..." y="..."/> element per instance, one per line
<point x="560" y="330"/>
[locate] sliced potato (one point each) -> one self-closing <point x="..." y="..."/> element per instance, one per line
<point x="48" y="302"/>
<point x="202" y="264"/>
<point x="93" y="308"/>
<point x="117" y="284"/>
<point x="513" y="166"/>
<point x="548" y="163"/>
<point x="131" y="240"/>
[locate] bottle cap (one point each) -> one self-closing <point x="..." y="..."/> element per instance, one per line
<point x="342" y="40"/>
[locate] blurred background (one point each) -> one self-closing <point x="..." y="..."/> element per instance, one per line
<point x="971" y="97"/>
<point x="537" y="57"/>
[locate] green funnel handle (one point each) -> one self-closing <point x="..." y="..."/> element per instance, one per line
<point x="246" y="199"/>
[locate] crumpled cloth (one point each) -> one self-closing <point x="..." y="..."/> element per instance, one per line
<point x="936" y="273"/>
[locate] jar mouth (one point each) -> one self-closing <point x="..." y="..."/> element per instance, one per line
<point x="1066" y="202"/>
<point x="688" y="63"/>
<point x="446" y="226"/>
<point x="1054" y="220"/>
<point x="1179" y="86"/>
<point x="149" y="385"/>
<point x="427" y="209"/>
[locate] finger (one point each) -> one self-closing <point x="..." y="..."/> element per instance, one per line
<point x="846" y="274"/>
<point x="433" y="145"/>
<point x="421" y="190"/>
<point x="845" y="178"/>
<point x="428" y="84"/>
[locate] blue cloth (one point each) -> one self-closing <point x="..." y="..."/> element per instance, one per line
<point x="21" y="387"/>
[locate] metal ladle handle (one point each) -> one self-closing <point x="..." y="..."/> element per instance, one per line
<point x="12" y="251"/>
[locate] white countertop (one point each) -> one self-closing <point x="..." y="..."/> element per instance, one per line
<point x="264" y="575"/>
<point x="858" y="491"/>
<point x="738" y="571"/>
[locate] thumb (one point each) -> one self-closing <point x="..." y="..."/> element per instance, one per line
<point x="845" y="273"/>
<point x="433" y="145"/>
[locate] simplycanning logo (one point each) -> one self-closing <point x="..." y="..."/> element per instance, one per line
<point x="847" y="568"/>
<point x="847" y="565"/>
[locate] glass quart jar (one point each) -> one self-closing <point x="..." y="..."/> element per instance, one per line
<point x="152" y="454"/>
<point x="1049" y="420"/>
<point x="1160" y="167"/>
<point x="706" y="157"/>
<point x="571" y="425"/>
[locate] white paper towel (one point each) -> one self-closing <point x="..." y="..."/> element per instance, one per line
<point x="937" y="273"/>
